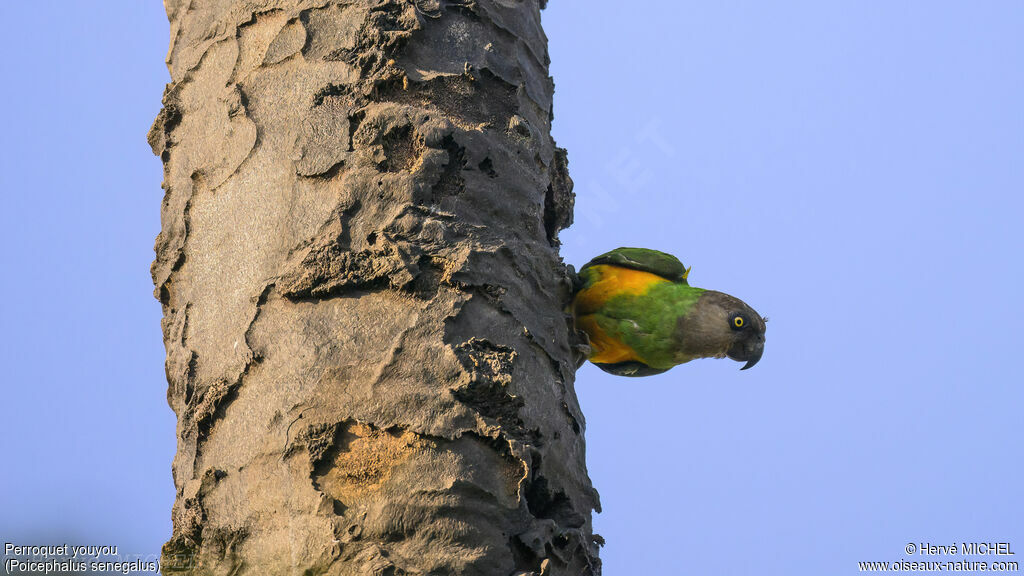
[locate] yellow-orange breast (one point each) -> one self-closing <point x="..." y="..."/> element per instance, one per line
<point x="603" y="283"/>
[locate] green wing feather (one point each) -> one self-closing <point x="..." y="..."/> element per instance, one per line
<point x="630" y="369"/>
<point x="665" y="265"/>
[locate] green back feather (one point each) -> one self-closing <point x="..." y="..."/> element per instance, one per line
<point x="665" y="265"/>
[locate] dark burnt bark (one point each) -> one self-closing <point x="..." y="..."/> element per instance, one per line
<point x="363" y="299"/>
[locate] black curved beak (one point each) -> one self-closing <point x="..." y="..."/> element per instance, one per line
<point x="749" y="351"/>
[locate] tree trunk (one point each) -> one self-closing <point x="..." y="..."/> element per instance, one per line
<point x="362" y="294"/>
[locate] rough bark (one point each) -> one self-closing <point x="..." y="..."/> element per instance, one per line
<point x="363" y="298"/>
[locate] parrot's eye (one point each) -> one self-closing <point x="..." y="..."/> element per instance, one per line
<point x="738" y="322"/>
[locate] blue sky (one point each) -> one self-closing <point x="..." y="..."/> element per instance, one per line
<point x="853" y="170"/>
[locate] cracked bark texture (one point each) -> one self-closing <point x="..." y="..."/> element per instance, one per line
<point x="362" y="293"/>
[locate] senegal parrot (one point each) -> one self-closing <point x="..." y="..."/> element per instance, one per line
<point x="642" y="317"/>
